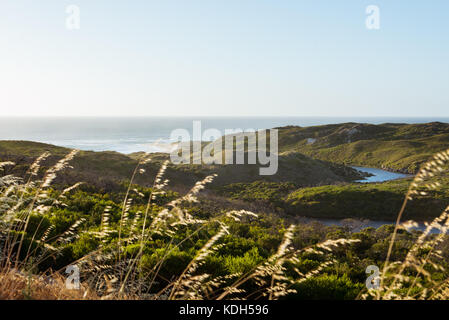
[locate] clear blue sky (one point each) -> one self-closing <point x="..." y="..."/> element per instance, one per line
<point x="228" y="57"/>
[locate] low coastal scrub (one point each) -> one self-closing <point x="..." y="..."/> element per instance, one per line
<point x="151" y="243"/>
<point x="373" y="201"/>
<point x="396" y="147"/>
<point x="378" y="201"/>
<point x="147" y="246"/>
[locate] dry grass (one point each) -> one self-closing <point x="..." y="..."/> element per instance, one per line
<point x="411" y="278"/>
<point x="18" y="286"/>
<point x="110" y="273"/>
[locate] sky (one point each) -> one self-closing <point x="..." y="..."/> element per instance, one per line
<point x="224" y="58"/>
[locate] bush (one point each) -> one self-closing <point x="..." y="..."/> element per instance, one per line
<point x="327" y="287"/>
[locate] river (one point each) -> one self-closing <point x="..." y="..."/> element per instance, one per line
<point x="378" y="175"/>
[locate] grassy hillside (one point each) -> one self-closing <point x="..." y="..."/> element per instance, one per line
<point x="373" y="201"/>
<point x="312" y="179"/>
<point x="398" y="147"/>
<point x="379" y="201"/>
<point x="107" y="170"/>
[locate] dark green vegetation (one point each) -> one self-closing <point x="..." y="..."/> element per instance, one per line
<point x="248" y="244"/>
<point x="380" y="201"/>
<point x="373" y="201"/>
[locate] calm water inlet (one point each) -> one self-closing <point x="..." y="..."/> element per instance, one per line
<point x="379" y="175"/>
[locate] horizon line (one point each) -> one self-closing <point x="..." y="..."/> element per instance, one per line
<point x="213" y="116"/>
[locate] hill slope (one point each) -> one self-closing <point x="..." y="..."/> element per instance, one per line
<point x="107" y="169"/>
<point x="398" y="147"/>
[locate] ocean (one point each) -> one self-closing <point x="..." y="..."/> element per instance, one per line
<point x="127" y="135"/>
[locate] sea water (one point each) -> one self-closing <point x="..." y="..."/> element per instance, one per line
<point x="132" y="134"/>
